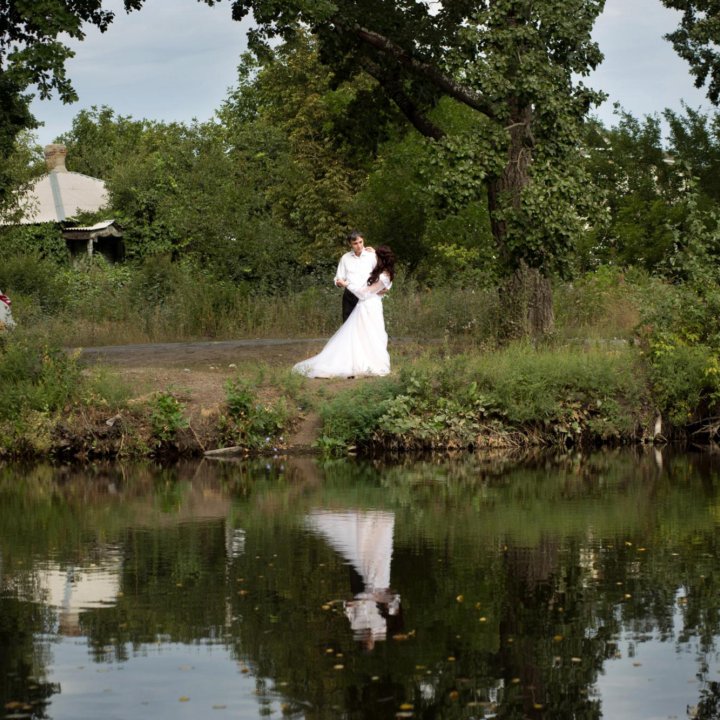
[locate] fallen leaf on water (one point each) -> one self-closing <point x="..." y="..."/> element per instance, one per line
<point x="576" y="659"/>
<point x="184" y="698"/>
<point x="538" y="706"/>
<point x="515" y="681"/>
<point x="451" y="658"/>
<point x="407" y="706"/>
<point x="460" y="598"/>
<point x="338" y="667"/>
<point x="454" y="695"/>
<point x="483" y="619"/>
<point x="219" y="707"/>
<point x="557" y="638"/>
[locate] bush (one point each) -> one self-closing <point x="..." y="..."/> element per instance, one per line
<point x="37" y="285"/>
<point x="248" y="422"/>
<point x="35" y="377"/>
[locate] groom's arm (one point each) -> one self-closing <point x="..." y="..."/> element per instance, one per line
<point x="341" y="273"/>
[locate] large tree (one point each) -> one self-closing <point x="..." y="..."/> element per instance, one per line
<point x="697" y="40"/>
<point x="515" y="64"/>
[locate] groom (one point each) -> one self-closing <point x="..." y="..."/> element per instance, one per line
<point x="354" y="267"/>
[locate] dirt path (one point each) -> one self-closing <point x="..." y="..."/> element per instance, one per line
<point x="197" y="372"/>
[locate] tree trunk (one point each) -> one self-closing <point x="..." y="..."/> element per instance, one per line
<point x="526" y="305"/>
<point x="526" y="294"/>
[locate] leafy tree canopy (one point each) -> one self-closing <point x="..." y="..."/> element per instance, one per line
<point x="697" y="40"/>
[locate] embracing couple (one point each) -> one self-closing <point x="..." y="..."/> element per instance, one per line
<point x="359" y="347"/>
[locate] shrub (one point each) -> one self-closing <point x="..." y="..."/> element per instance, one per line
<point x="166" y="417"/>
<point x="35" y="377"/>
<point x="248" y="422"/>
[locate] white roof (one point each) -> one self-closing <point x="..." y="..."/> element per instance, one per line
<point x="60" y="195"/>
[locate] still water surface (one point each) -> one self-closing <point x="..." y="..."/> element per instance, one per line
<point x="581" y="587"/>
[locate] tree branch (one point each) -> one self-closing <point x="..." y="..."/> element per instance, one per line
<point x="426" y="70"/>
<point x="393" y="87"/>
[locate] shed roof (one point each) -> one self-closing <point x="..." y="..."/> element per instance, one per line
<point x="61" y="194"/>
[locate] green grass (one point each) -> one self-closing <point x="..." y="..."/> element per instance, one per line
<point x="556" y="395"/>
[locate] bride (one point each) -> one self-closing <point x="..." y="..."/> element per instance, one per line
<point x="359" y="347"/>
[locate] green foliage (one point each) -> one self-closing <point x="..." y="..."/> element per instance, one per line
<point x="695" y="40"/>
<point x="686" y="380"/>
<point x="167" y="417"/>
<point x="35" y="377"/>
<point x="35" y="284"/>
<point x="421" y="198"/>
<point x="39" y="241"/>
<point x="513" y="64"/>
<point x="99" y="141"/>
<point x="602" y="305"/>
<point x="22" y="162"/>
<point x="248" y="422"/>
<point x="564" y="396"/>
<point x="680" y="323"/>
<point x="33" y="54"/>
<point x="352" y="417"/>
<point x="694" y="145"/>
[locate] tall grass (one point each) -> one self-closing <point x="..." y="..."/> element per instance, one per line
<point x="162" y="301"/>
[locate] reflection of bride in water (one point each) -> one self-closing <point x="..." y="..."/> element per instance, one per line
<point x="365" y="540"/>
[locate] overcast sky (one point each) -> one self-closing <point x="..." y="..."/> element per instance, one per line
<point x="176" y="59"/>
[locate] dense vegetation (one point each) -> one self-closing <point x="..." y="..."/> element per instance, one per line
<point x="228" y="223"/>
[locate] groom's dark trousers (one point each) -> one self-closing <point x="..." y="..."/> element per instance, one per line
<point x="349" y="301"/>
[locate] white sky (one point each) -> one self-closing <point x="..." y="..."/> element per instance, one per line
<point x="176" y="59"/>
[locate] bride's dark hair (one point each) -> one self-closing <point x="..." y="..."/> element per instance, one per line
<point x="385" y="263"/>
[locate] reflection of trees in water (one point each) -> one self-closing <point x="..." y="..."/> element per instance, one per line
<point x="23" y="689"/>
<point x="556" y="558"/>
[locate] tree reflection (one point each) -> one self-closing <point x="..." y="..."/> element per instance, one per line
<point x="517" y="582"/>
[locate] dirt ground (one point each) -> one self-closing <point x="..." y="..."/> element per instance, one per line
<point x="197" y="373"/>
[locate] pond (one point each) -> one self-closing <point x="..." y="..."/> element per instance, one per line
<point x="581" y="586"/>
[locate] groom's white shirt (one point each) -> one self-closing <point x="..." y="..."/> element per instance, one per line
<point x="354" y="268"/>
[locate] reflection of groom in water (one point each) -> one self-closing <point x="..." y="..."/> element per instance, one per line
<point x="354" y="267"/>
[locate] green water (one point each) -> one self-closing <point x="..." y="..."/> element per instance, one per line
<point x="579" y="587"/>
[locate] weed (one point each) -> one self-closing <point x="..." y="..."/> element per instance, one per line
<point x="249" y="422"/>
<point x="166" y="417"/>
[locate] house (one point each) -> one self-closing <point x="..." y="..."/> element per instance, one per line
<point x="61" y="194"/>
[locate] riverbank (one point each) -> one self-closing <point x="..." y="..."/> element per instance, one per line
<point x="188" y="399"/>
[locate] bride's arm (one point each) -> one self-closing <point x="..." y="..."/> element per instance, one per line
<point x="380" y="286"/>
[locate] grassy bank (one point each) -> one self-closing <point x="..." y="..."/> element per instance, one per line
<point x="515" y="397"/>
<point x="438" y="399"/>
<point x="625" y="351"/>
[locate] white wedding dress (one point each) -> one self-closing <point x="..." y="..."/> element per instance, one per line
<point x="359" y="347"/>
